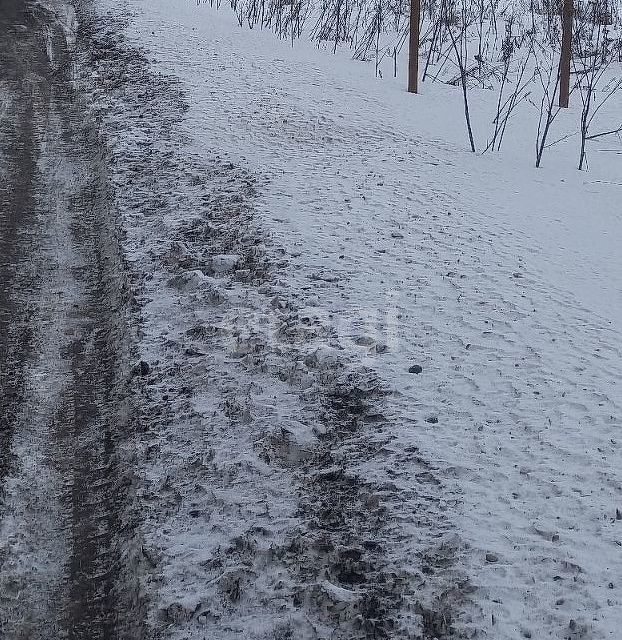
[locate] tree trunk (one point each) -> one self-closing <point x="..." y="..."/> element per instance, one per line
<point x="566" y="55"/>
<point x="413" y="52"/>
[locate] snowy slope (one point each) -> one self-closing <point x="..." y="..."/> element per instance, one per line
<point x="499" y="464"/>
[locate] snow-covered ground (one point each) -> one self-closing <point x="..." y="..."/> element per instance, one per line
<point x="310" y="234"/>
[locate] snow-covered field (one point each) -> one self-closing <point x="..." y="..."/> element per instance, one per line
<point x="385" y="373"/>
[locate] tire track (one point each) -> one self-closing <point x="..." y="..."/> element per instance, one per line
<point x="68" y="561"/>
<point x="17" y="203"/>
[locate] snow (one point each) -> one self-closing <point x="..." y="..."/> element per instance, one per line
<point x="33" y="547"/>
<point x="498" y="467"/>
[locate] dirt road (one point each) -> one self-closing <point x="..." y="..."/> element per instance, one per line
<point x="65" y="349"/>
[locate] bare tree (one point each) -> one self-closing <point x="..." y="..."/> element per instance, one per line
<point x="460" y="48"/>
<point x="522" y="82"/>
<point x="547" y="72"/>
<point x="596" y="54"/>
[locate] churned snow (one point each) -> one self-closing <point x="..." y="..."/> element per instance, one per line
<point x="501" y="458"/>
